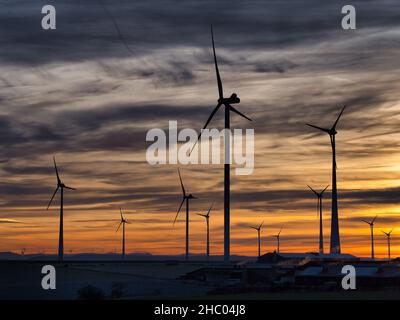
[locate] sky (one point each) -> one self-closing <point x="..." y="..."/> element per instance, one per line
<point x="88" y="96"/>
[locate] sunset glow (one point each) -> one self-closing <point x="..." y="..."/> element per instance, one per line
<point x="79" y="95"/>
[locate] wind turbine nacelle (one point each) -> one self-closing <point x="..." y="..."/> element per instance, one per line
<point x="231" y="100"/>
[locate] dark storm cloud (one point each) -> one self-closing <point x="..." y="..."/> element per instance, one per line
<point x="381" y="221"/>
<point x="93" y="119"/>
<point x="100" y="128"/>
<point x="376" y="196"/>
<point x="161" y="199"/>
<point x="86" y="130"/>
<point x="272" y="66"/>
<point x="85" y="31"/>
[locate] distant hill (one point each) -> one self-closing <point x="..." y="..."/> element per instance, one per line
<point x="114" y="257"/>
<point x="9" y="256"/>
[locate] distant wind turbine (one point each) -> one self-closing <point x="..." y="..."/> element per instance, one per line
<point x="388" y="234"/>
<point x="122" y="222"/>
<point x="335" y="236"/>
<point x="186" y="198"/>
<point x="371" y="224"/>
<point x="321" y="234"/>
<point x="207" y="217"/>
<point x="61" y="186"/>
<point x="227" y="103"/>
<point x="278" y="237"/>
<point x="259" y="237"/>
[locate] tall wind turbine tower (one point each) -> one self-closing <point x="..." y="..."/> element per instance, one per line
<point x="278" y="239"/>
<point x="388" y="235"/>
<point x="122" y="222"/>
<point x="335" y="237"/>
<point x="371" y="225"/>
<point x="321" y="233"/>
<point x="60" y="186"/>
<point x="207" y="217"/>
<point x="227" y="103"/>
<point x="185" y="198"/>
<point x="258" y="237"/>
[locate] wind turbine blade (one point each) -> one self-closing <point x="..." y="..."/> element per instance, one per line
<point x="324" y="190"/>
<point x="316" y="193"/>
<point x="201" y="215"/>
<point x="239" y="113"/>
<point x="319" y="128"/>
<point x="387" y="233"/>
<point x="51" y="200"/>
<point x="373" y="220"/>
<point x="118" y="227"/>
<point x="120" y="211"/>
<point x="279" y="232"/>
<point x="337" y="120"/>
<point x="116" y="26"/>
<point x="366" y="221"/>
<point x="253" y="228"/>
<point x="69" y="188"/>
<point x="220" y="88"/>
<point x="183" y="188"/>
<point x="179" y="210"/>
<point x="55" y="167"/>
<point x="209" y="210"/>
<point x="205" y="126"/>
<point x="261" y="225"/>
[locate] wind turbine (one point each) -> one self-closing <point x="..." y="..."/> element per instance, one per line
<point x="259" y="237"/>
<point x="371" y="224"/>
<point x="61" y="186"/>
<point x="278" y="239"/>
<point x="227" y="103"/>
<point x="207" y="217"/>
<point x="321" y="234"/>
<point x="335" y="237"/>
<point x="186" y="198"/>
<point x="388" y="234"/>
<point x="122" y="222"/>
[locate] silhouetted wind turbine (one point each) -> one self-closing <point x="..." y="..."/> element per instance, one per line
<point x="186" y="197"/>
<point x="371" y="224"/>
<point x="122" y="222"/>
<point x="207" y="217"/>
<point x="335" y="237"/>
<point x="319" y="212"/>
<point x="62" y="186"/>
<point x="278" y="239"/>
<point x="388" y="234"/>
<point x="259" y="237"/>
<point x="227" y="103"/>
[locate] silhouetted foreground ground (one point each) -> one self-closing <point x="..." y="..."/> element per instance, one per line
<point x="22" y="280"/>
<point x="158" y="280"/>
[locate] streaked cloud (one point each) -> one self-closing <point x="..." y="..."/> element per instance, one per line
<point x="79" y="94"/>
